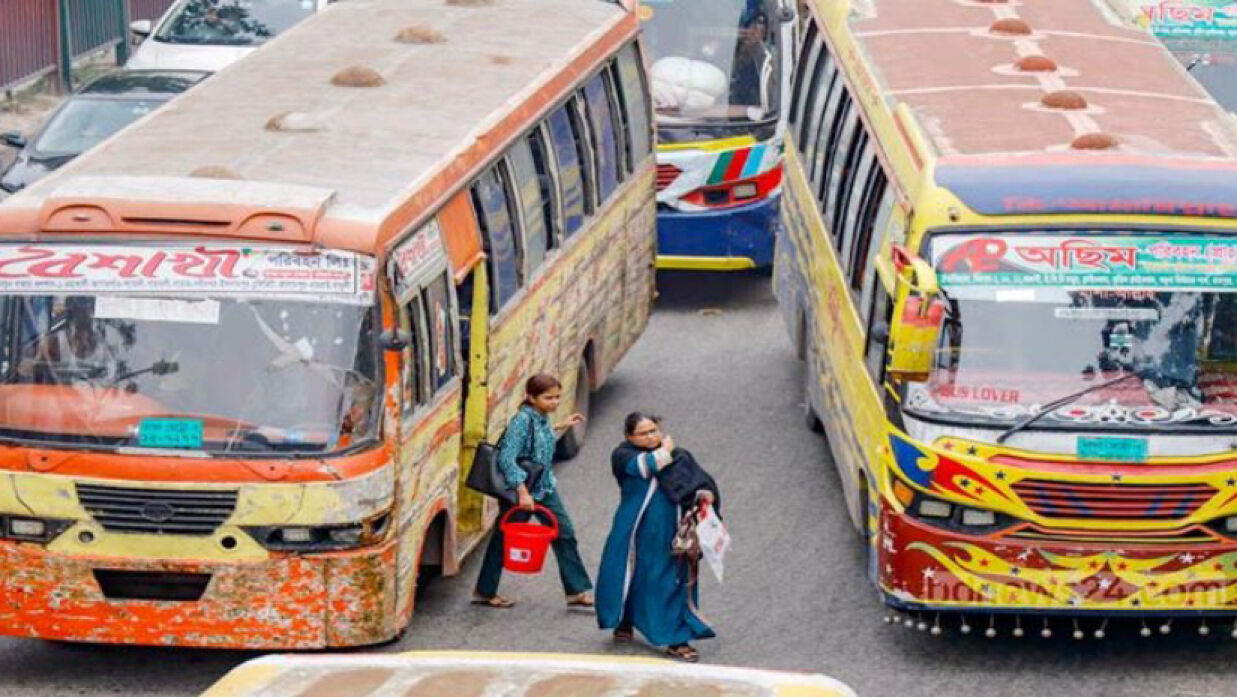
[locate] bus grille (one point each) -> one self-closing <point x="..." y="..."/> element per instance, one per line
<point x="160" y="511"/>
<point x="666" y="174"/>
<point x="1054" y="499"/>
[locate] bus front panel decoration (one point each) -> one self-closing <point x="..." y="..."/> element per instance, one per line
<point x="720" y="84"/>
<point x="1020" y="340"/>
<point x="245" y="370"/>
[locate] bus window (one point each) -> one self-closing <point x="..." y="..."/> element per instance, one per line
<point x="605" y="142"/>
<point x="881" y="313"/>
<point x="875" y="219"/>
<point x="840" y="160"/>
<point x="583" y="137"/>
<point x="547" y="179"/>
<point x="416" y="356"/>
<point x="441" y="332"/>
<point x="854" y="183"/>
<point x="821" y="100"/>
<point x="835" y="114"/>
<point x="635" y="105"/>
<point x="570" y="174"/>
<point x="619" y="116"/>
<point x="807" y="60"/>
<point x="532" y="206"/>
<point x="493" y="207"/>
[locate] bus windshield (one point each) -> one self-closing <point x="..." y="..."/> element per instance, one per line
<point x="1145" y="328"/>
<point x="713" y="61"/>
<point x="219" y="372"/>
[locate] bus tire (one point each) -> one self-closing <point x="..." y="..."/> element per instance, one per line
<point x="810" y="418"/>
<point x="573" y="439"/>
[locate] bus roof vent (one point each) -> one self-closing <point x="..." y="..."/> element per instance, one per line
<point x="1094" y="141"/>
<point x="1037" y="64"/>
<point x="214" y="172"/>
<point x="1010" y="26"/>
<point x="1064" y="99"/>
<point x="358" y="76"/>
<point x="420" y="34"/>
<point x="469" y="3"/>
<point x="294" y="122"/>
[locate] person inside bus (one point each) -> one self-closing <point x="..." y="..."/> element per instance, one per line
<point x="752" y="61"/>
<point x="76" y="347"/>
<point x="530" y="434"/>
<point x="640" y="584"/>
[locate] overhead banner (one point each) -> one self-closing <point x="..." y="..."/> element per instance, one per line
<point x="208" y="270"/>
<point x="1133" y="263"/>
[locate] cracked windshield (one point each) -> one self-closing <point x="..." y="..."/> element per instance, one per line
<point x="196" y="357"/>
<point x="233" y="22"/>
<point x="1134" y="324"/>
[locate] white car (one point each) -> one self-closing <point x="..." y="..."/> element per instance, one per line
<point x="208" y="35"/>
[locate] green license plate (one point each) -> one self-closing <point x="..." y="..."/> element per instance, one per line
<point x="1117" y="449"/>
<point x="170" y="433"/>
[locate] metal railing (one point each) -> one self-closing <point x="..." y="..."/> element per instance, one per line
<point x="38" y="37"/>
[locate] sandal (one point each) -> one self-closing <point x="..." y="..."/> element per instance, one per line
<point x="496" y="601"/>
<point x="684" y="652"/>
<point x="624" y="634"/>
<point x="580" y="600"/>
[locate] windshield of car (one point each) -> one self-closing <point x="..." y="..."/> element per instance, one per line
<point x="713" y="61"/>
<point x="211" y="366"/>
<point x="1034" y="318"/>
<point x="232" y="22"/>
<point x="84" y="122"/>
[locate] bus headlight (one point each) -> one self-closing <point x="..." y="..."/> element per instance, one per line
<point x="28" y="529"/>
<point x="321" y="538"/>
<point x="955" y="516"/>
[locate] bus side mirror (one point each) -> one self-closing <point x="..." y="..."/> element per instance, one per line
<point x="879" y="334"/>
<point x="786" y="14"/>
<point x="914" y="337"/>
<point x="395" y="340"/>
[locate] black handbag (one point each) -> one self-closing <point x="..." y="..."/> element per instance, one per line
<point x="487" y="477"/>
<point x="682" y="478"/>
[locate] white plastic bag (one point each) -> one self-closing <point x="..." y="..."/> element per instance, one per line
<point x="714" y="540"/>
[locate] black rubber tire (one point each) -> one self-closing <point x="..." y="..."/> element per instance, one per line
<point x="573" y="439"/>
<point x="810" y="418"/>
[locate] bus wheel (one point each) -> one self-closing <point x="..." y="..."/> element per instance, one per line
<point x="810" y="418"/>
<point x="571" y="442"/>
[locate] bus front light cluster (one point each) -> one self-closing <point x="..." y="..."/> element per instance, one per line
<point x="951" y="516"/>
<point x="29" y="529"/>
<point x="321" y="538"/>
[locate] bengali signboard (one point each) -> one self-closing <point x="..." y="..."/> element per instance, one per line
<point x="1185" y="18"/>
<point x="201" y="270"/>
<point x="1028" y="260"/>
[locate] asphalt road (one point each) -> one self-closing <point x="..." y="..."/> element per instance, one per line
<point x="715" y="361"/>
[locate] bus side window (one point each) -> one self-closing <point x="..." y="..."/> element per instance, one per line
<point x="416" y="356"/>
<point x="822" y="96"/>
<point x="571" y="175"/>
<point x="605" y="141"/>
<point x="494" y="213"/>
<point x="809" y="52"/>
<point x="532" y="206"/>
<point x="585" y="149"/>
<point x="835" y="115"/>
<point x="840" y="158"/>
<point x="548" y="180"/>
<point x="876" y="212"/>
<point x="437" y="300"/>
<point x="618" y="117"/>
<point x="635" y="104"/>
<point x="881" y="313"/>
<point x="853" y="184"/>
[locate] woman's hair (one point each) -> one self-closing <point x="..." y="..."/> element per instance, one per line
<point x="539" y="384"/>
<point x="633" y="419"/>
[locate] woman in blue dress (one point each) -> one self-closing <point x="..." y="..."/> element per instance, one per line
<point x="640" y="585"/>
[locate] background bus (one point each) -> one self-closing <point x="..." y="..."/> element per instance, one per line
<point x="720" y="81"/>
<point x="1019" y="337"/>
<point x="252" y="341"/>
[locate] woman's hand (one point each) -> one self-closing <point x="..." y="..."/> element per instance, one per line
<point x="572" y="420"/>
<point x="525" y="499"/>
<point x="667" y="444"/>
<point x="704" y="497"/>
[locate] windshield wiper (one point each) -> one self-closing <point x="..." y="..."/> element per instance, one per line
<point x="1052" y="406"/>
<point x="156" y="368"/>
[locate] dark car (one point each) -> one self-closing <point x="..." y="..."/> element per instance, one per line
<point x="91" y="114"/>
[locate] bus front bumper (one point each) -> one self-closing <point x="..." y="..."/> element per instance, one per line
<point x="340" y="599"/>
<point x="921" y="567"/>
<point x="718" y="240"/>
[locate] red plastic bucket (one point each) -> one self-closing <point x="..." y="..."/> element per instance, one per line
<point x="525" y="544"/>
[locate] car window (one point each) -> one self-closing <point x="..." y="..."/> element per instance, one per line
<point x="82" y="123"/>
<point x="232" y="22"/>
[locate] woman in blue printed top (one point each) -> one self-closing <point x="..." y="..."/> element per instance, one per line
<point x="530" y="435"/>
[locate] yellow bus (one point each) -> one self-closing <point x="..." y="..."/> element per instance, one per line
<point x="473" y="673"/>
<point x="253" y="341"/>
<point x="1011" y="270"/>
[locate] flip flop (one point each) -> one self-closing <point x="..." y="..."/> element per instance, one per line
<point x="497" y="602"/>
<point x="684" y="652"/>
<point x="624" y="634"/>
<point x="580" y="600"/>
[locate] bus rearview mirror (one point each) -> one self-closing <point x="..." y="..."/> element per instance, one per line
<point x="915" y="334"/>
<point x="395" y="340"/>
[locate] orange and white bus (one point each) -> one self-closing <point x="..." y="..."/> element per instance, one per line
<point x="1011" y="268"/>
<point x="252" y="341"/>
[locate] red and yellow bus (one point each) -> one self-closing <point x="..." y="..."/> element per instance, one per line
<point x="252" y="342"/>
<point x="1011" y="271"/>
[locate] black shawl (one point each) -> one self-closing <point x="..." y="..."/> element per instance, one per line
<point x="679" y="480"/>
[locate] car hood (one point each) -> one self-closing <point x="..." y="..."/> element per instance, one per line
<point x="159" y="55"/>
<point x="29" y="168"/>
